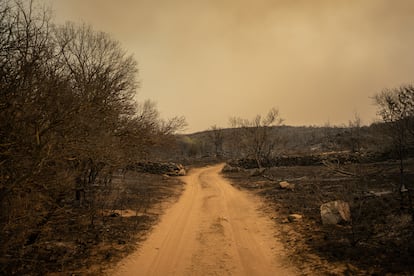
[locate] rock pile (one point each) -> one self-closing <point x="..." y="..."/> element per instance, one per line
<point x="229" y="169"/>
<point x="309" y="160"/>
<point x="170" y="169"/>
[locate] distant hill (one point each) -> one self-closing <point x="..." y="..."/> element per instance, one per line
<point x="290" y="140"/>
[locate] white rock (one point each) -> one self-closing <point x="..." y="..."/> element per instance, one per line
<point x="294" y="217"/>
<point x="257" y="172"/>
<point x="182" y="172"/>
<point x="335" y="212"/>
<point x="286" y="185"/>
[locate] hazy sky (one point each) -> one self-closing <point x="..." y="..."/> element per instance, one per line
<point x="316" y="60"/>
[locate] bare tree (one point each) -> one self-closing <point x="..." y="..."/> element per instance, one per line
<point x="396" y="109"/>
<point x="146" y="134"/>
<point x="355" y="129"/>
<point x="27" y="76"/>
<point x="32" y="113"/>
<point x="256" y="140"/>
<point x="216" y="136"/>
<point x="68" y="118"/>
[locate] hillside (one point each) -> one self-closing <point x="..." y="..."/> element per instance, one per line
<point x="288" y="140"/>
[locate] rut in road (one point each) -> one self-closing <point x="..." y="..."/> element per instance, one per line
<point x="214" y="229"/>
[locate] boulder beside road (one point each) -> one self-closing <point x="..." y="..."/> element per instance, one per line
<point x="335" y="212"/>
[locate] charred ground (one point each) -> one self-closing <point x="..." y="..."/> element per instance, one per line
<point x="379" y="239"/>
<point x="89" y="238"/>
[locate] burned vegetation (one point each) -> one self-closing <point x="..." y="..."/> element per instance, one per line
<point x="342" y="195"/>
<point x="375" y="237"/>
<point x="79" y="184"/>
<point x="69" y="128"/>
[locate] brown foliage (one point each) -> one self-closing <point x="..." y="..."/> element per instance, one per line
<point x="68" y="120"/>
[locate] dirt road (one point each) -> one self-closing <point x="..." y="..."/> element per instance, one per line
<point x="214" y="229"/>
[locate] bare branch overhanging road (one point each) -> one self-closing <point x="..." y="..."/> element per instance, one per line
<point x="214" y="229"/>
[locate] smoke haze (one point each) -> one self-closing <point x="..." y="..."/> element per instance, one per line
<point x="317" y="61"/>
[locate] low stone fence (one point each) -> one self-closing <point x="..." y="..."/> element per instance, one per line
<point x="310" y="160"/>
<point x="171" y="169"/>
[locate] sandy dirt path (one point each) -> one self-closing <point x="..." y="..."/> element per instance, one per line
<point x="214" y="229"/>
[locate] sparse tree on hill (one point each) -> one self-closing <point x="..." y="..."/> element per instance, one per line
<point x="396" y="109"/>
<point x="216" y="136"/>
<point x="255" y="140"/>
<point x="355" y="129"/>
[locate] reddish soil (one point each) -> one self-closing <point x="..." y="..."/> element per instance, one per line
<point x="214" y="229"/>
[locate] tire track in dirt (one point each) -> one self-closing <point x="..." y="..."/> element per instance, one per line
<point x="214" y="229"/>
